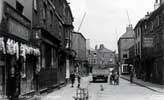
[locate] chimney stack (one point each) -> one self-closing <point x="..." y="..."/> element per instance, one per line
<point x="129" y="28"/>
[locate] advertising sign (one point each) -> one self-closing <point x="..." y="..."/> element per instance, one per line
<point x="147" y="42"/>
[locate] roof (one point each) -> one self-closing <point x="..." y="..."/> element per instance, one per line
<point x="128" y="34"/>
<point x="79" y="34"/>
<point x="105" y="50"/>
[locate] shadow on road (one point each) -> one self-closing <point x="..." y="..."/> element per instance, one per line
<point x="98" y="81"/>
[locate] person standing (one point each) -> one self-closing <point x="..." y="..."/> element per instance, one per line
<point x="116" y="78"/>
<point x="78" y="79"/>
<point x="72" y="77"/>
<point x="131" y="75"/>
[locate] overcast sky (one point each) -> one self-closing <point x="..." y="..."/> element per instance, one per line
<point x="106" y="20"/>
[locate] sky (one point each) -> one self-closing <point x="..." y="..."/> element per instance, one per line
<point x="106" y="20"/>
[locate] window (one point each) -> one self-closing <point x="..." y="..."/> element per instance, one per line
<point x="94" y="61"/>
<point x="125" y="56"/>
<point x="51" y="18"/>
<point x="157" y="20"/>
<point x="35" y="4"/>
<point x="19" y="7"/>
<point x="43" y="56"/>
<point x="44" y="11"/>
<point x="103" y="55"/>
<point x="64" y="7"/>
<point x="94" y="54"/>
<point x="46" y="56"/>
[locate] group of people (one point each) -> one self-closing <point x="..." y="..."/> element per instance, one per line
<point x="72" y="78"/>
<point x="114" y="78"/>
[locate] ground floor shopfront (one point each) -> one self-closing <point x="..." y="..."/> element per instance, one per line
<point x="19" y="62"/>
<point x="150" y="69"/>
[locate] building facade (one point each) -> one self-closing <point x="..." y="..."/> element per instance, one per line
<point x="79" y="46"/>
<point x="102" y="57"/>
<point x="126" y="41"/>
<point x="35" y="45"/>
<point x="18" y="56"/>
<point x="53" y="27"/>
<point x="149" y="45"/>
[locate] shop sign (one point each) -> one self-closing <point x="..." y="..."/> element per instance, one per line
<point x="147" y="42"/>
<point x="18" y="30"/>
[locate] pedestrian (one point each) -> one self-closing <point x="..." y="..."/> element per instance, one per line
<point x="112" y="77"/>
<point x="116" y="78"/>
<point x="72" y="77"/>
<point x="78" y="79"/>
<point x="131" y="75"/>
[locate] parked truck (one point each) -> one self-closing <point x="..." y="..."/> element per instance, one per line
<point x="100" y="72"/>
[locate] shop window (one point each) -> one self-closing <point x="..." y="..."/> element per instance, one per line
<point x="19" y="7"/>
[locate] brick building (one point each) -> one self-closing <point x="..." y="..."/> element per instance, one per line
<point x="102" y="57"/>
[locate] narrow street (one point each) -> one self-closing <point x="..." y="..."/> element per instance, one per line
<point x="124" y="91"/>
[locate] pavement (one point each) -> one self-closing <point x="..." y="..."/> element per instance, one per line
<point x="148" y="85"/>
<point x="66" y="92"/>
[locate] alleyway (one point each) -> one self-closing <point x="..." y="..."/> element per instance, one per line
<point x="125" y="91"/>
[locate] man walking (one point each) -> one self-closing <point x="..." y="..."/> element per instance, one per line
<point x="72" y="77"/>
<point x="78" y="79"/>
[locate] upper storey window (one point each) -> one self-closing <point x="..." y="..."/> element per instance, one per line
<point x="19" y="7"/>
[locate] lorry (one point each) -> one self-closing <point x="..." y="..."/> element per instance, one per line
<point x="100" y="72"/>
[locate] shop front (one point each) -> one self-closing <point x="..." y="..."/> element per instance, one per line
<point x="18" y="64"/>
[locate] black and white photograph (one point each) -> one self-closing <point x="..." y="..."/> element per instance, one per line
<point x="81" y="49"/>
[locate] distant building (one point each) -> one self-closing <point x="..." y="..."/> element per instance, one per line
<point x="102" y="57"/>
<point x="126" y="41"/>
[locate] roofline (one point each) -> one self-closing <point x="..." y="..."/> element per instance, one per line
<point x="79" y="33"/>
